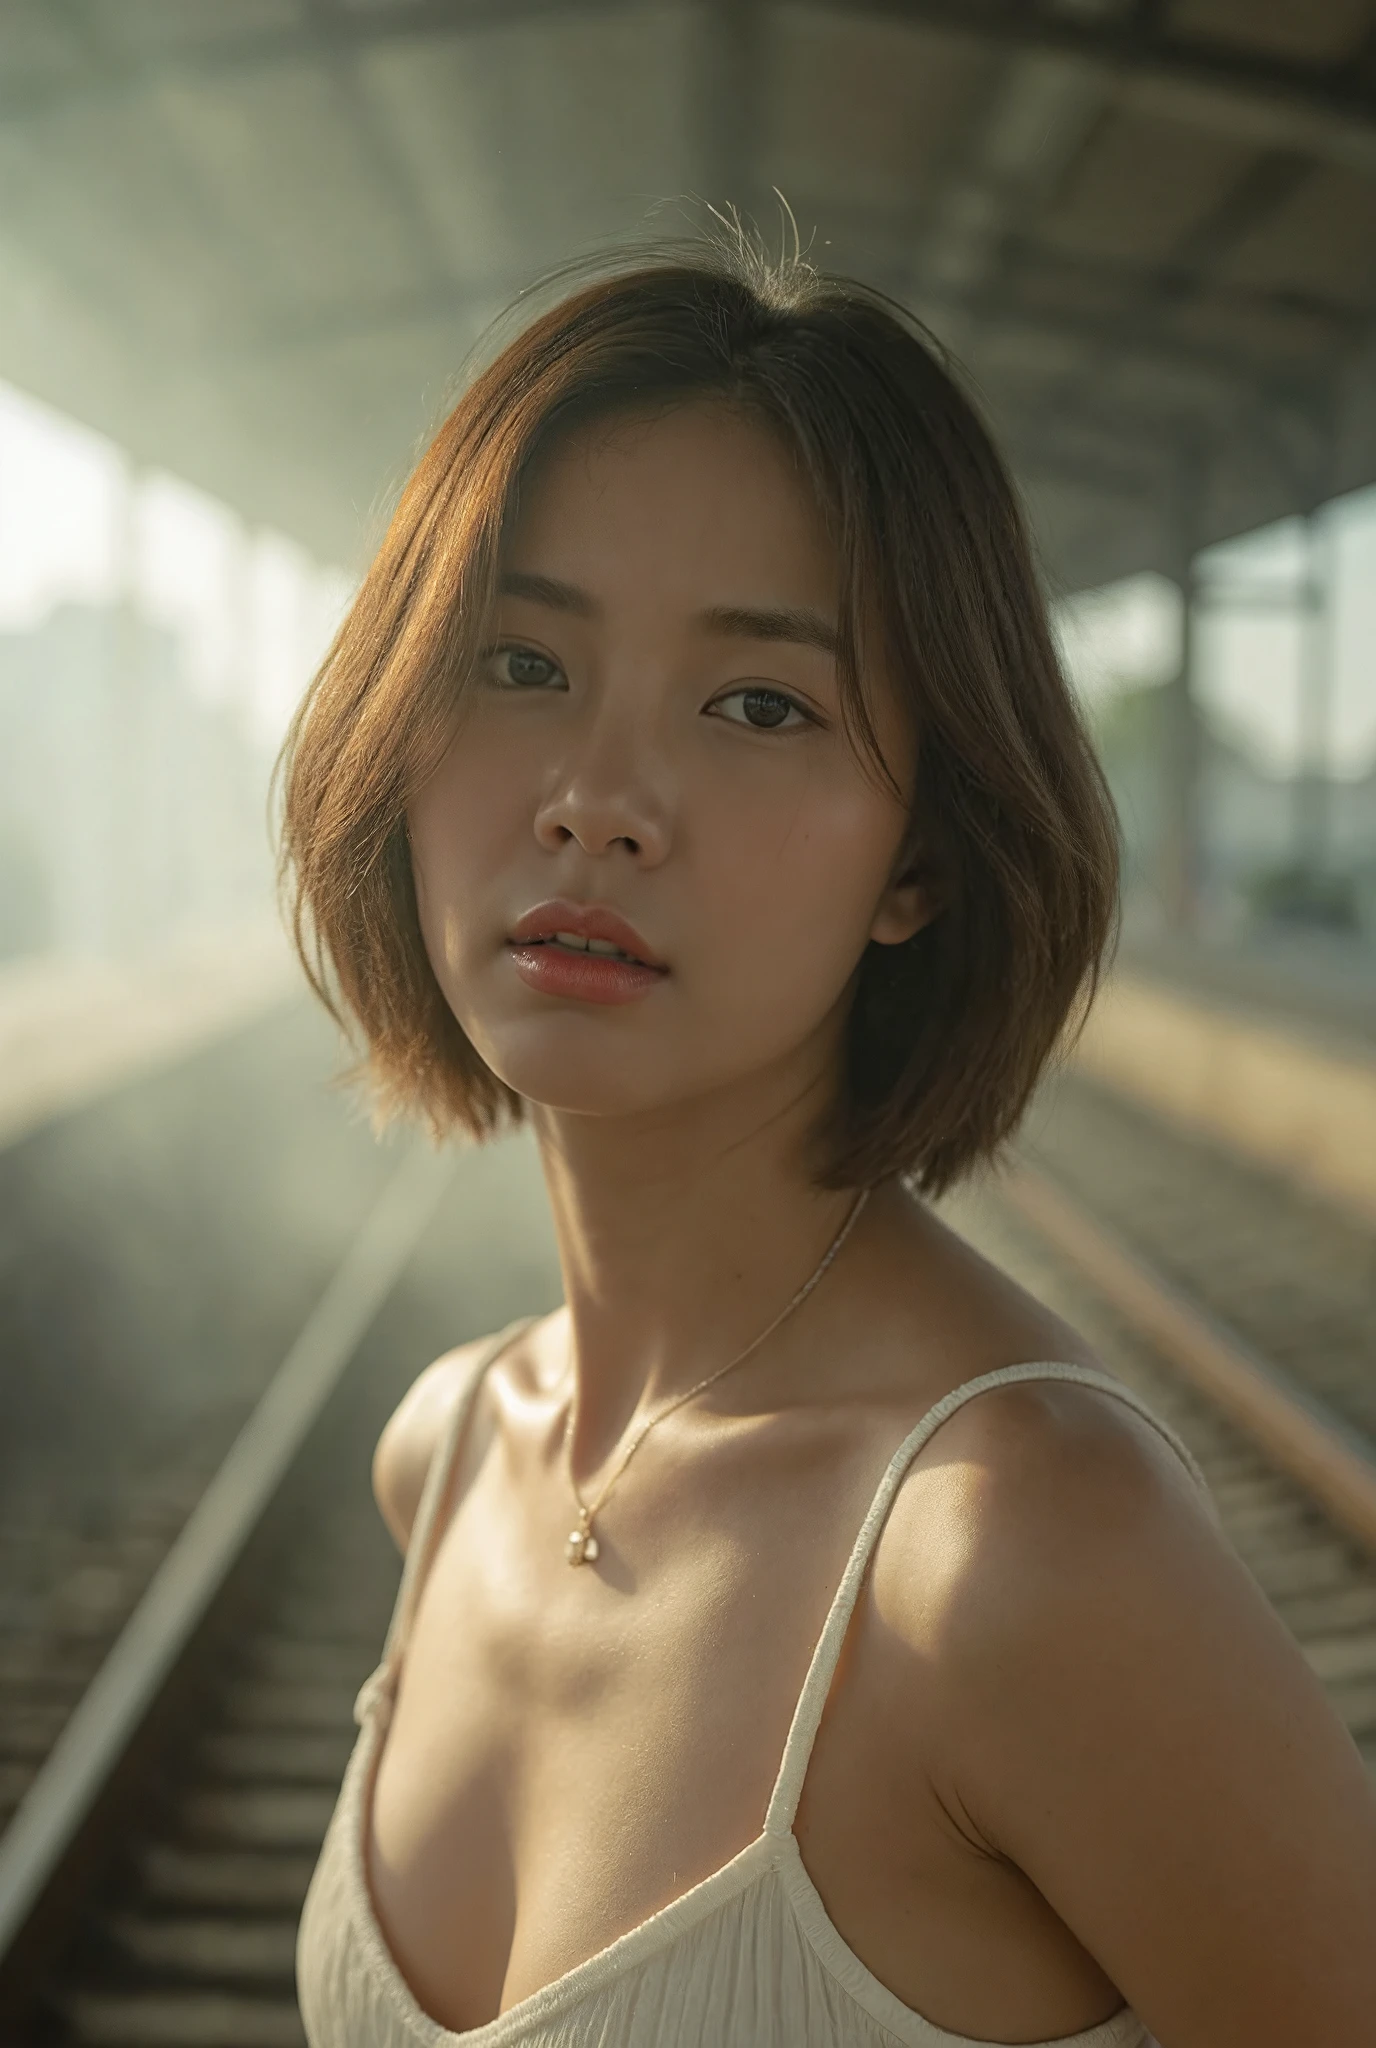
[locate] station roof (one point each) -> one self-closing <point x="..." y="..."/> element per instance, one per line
<point x="254" y="241"/>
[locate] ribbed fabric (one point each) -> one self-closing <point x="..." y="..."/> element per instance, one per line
<point x="746" y="1959"/>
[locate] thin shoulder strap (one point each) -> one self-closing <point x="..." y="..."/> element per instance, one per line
<point x="437" y="1477"/>
<point x="783" y="1804"/>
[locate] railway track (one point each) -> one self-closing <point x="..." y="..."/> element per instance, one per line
<point x="1294" y="1275"/>
<point x="70" y="1578"/>
<point x="131" y="1351"/>
<point x="192" y="1940"/>
<point x="153" y="1868"/>
<point x="183" y="1931"/>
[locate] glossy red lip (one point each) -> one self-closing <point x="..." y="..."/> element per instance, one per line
<point x="587" y="921"/>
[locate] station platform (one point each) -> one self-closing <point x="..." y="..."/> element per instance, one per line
<point x="72" y="1030"/>
<point x="1322" y="985"/>
<point x="1269" y="1050"/>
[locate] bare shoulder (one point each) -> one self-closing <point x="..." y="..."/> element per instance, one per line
<point x="409" y="1437"/>
<point x="1121" y="1715"/>
<point x="1033" y="1491"/>
<point x="1037" y="1493"/>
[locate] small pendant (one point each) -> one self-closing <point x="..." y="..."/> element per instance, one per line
<point x="582" y="1546"/>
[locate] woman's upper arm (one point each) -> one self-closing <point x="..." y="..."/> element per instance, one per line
<point x="1140" y="1735"/>
<point x="407" y="1443"/>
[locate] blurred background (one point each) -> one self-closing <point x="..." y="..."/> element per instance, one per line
<point x="246" y="250"/>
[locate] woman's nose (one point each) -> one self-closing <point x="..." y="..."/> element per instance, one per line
<point x="607" y="790"/>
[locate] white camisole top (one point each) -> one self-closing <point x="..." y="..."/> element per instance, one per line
<point x="747" y="1959"/>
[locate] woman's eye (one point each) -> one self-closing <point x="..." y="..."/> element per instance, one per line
<point x="765" y="710"/>
<point x="520" y="668"/>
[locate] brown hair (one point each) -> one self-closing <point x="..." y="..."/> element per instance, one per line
<point x="1010" y="815"/>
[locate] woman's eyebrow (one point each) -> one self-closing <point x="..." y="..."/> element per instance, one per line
<point x="561" y="597"/>
<point x="736" y="621"/>
<point x="770" y="622"/>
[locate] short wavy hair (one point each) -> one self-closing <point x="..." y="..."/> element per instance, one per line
<point x="1010" y="815"/>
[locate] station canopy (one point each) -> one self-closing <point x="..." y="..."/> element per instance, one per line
<point x="255" y="240"/>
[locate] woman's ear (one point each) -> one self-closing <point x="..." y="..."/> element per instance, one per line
<point x="909" y="903"/>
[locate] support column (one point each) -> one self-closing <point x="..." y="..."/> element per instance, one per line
<point x="1313" y="779"/>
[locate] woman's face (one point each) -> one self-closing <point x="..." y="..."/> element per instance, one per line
<point x="655" y="733"/>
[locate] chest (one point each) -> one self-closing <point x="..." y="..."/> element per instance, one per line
<point x="625" y="1718"/>
<point x="572" y="1749"/>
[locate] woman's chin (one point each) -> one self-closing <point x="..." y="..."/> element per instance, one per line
<point x="569" y="1064"/>
<point x="581" y="1081"/>
<point x="562" y="1096"/>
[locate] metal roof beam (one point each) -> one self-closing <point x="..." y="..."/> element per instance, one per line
<point x="1000" y="299"/>
<point x="888" y="240"/>
<point x="1325" y="112"/>
<point x="1328" y="112"/>
<point x="1011" y="157"/>
<point x="127" y="75"/>
<point x="89" y="30"/>
<point x="1145" y="315"/>
<point x="323" y="20"/>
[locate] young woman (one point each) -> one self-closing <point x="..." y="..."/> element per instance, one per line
<point x="786" y="1653"/>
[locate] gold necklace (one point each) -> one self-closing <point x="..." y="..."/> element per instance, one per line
<point x="581" y="1546"/>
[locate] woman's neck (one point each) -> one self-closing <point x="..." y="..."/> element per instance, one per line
<point x="680" y="1238"/>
